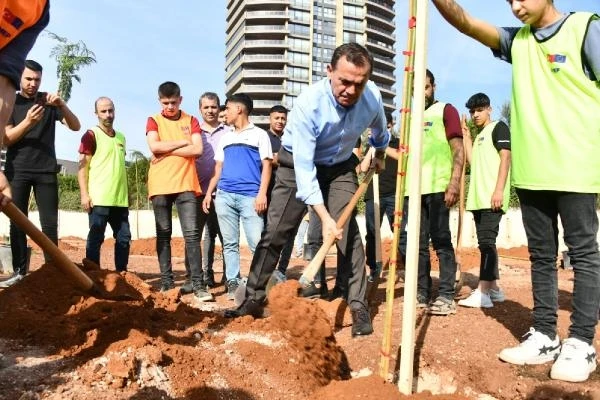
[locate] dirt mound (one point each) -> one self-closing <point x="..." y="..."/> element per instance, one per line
<point x="156" y="346"/>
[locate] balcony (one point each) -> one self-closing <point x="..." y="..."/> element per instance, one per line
<point x="265" y="104"/>
<point x="377" y="18"/>
<point x="376" y="30"/>
<point x="382" y="76"/>
<point x="262" y="89"/>
<point x="385" y="7"/>
<point x="266" y="14"/>
<point x="384" y="48"/>
<point x="265" y="43"/>
<point x="384" y="61"/>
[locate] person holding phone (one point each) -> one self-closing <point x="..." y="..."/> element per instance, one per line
<point x="31" y="160"/>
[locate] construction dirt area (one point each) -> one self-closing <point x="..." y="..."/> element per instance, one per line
<point x="58" y="342"/>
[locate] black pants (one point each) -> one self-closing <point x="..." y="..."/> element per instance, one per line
<point x="338" y="183"/>
<point x="577" y="211"/>
<point x="435" y="225"/>
<point x="487" y="223"/>
<point x="45" y="190"/>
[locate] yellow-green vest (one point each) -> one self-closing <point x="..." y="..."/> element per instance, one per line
<point x="555" y="112"/>
<point x="485" y="163"/>
<point x="436" y="161"/>
<point x="107" y="177"/>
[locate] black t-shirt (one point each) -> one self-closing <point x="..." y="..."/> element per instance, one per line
<point x="501" y="136"/>
<point x="34" y="151"/>
<point x="387" y="177"/>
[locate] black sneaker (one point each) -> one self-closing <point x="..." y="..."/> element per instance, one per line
<point x="361" y="322"/>
<point x="311" y="291"/>
<point x="166" y="286"/>
<point x="202" y="294"/>
<point x="232" y="286"/>
<point x="209" y="277"/>
<point x="338" y="292"/>
<point x="250" y="307"/>
<point x="187" y="287"/>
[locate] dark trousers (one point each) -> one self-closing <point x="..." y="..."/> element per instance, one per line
<point x="207" y="254"/>
<point x="45" y="190"/>
<point x="386" y="207"/>
<point x="577" y="211"/>
<point x="487" y="223"/>
<point x="435" y="225"/>
<point x="187" y="208"/>
<point x="118" y="219"/>
<point x="338" y="183"/>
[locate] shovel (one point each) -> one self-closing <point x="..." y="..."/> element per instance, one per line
<point x="68" y="267"/>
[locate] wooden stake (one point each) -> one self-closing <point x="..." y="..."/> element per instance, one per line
<point x="405" y="378"/>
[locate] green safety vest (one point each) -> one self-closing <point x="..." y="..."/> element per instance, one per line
<point x="485" y="163"/>
<point x="107" y="177"/>
<point x="436" y="161"/>
<point x="555" y="111"/>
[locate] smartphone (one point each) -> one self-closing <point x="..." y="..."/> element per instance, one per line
<point x="41" y="98"/>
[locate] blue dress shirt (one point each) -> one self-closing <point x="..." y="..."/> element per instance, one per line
<point x="322" y="132"/>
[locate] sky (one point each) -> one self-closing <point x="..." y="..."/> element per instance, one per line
<point x="140" y="44"/>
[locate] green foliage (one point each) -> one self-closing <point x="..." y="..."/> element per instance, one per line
<point x="70" y="57"/>
<point x="137" y="176"/>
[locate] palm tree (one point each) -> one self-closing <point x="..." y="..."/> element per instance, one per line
<point x="70" y="58"/>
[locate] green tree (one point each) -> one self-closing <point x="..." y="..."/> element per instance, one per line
<point x="70" y="58"/>
<point x="137" y="176"/>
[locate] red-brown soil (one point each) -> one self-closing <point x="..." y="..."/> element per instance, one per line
<point x="58" y="342"/>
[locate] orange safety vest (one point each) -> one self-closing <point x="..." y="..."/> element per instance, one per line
<point x="18" y="15"/>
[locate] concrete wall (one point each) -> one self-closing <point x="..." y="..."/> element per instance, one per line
<point x="75" y="224"/>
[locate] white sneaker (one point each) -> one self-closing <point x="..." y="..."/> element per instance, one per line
<point x="497" y="296"/>
<point x="577" y="360"/>
<point x="537" y="348"/>
<point x="12" y="280"/>
<point x="477" y="299"/>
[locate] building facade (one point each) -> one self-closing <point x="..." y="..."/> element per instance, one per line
<point x="276" y="48"/>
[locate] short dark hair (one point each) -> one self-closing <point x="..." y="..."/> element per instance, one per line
<point x="210" y="96"/>
<point x="169" y="89"/>
<point x="243" y="99"/>
<point x="33" y="65"/>
<point x="429" y="75"/>
<point x="354" y="53"/>
<point x="222" y="107"/>
<point x="278" y="109"/>
<point x="478" y="100"/>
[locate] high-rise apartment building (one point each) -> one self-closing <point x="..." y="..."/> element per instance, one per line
<point x="275" y="48"/>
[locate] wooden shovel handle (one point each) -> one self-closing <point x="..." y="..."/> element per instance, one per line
<point x="58" y="257"/>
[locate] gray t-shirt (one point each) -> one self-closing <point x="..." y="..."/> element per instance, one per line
<point x="591" y="45"/>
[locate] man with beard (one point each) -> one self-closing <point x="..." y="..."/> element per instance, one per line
<point x="441" y="168"/>
<point x="31" y="160"/>
<point x="103" y="185"/>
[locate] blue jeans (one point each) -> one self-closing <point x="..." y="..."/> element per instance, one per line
<point x="118" y="219"/>
<point x="435" y="225"/>
<point x="487" y="223"/>
<point x="186" y="209"/>
<point x="231" y="207"/>
<point x="577" y="212"/>
<point x="386" y="206"/>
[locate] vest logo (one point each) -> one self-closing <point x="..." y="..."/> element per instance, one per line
<point x="186" y="130"/>
<point x="12" y="19"/>
<point x="556" y="59"/>
<point x="480" y="140"/>
<point x="427" y="125"/>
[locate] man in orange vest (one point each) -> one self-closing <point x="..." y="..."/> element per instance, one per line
<point x="20" y="24"/>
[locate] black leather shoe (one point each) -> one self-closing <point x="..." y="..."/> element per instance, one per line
<point x="209" y="277"/>
<point x="361" y="322"/>
<point x="248" y="307"/>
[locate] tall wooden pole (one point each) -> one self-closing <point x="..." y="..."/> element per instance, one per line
<point x="405" y="378"/>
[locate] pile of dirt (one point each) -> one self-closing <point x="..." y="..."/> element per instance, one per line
<point x="156" y="346"/>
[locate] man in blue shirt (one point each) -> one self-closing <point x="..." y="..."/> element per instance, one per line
<point x="316" y="168"/>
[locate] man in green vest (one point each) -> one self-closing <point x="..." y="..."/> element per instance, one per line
<point x="555" y="167"/>
<point x="441" y="168"/>
<point x="103" y="185"/>
<point x="489" y="193"/>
